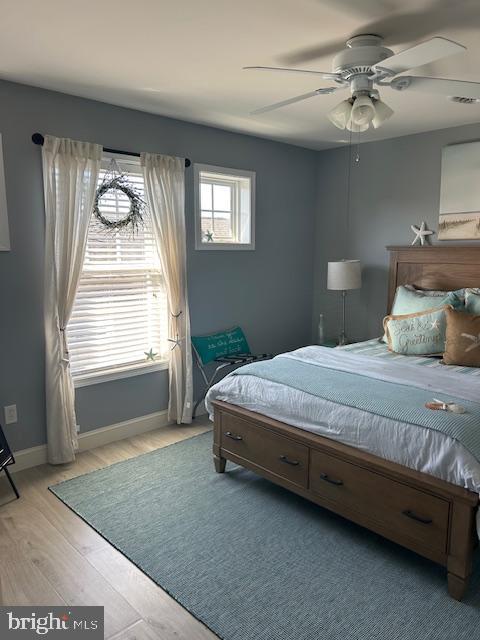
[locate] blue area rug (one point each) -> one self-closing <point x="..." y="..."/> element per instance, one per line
<point x="252" y="561"/>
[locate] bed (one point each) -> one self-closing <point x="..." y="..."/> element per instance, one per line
<point x="382" y="469"/>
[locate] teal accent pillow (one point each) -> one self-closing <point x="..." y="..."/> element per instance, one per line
<point x="217" y="345"/>
<point x="472" y="301"/>
<point x="408" y="300"/>
<point x="435" y="292"/>
<point x="417" y="334"/>
<point x="413" y="301"/>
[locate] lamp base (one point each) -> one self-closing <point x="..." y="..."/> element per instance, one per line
<point x="343" y="340"/>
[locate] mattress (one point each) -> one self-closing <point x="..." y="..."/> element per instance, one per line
<point x="413" y="446"/>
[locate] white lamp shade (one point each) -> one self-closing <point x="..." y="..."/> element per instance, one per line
<point x="357" y="128"/>
<point x="344" y="275"/>
<point x="363" y="111"/>
<point x="340" y="115"/>
<point x="382" y="113"/>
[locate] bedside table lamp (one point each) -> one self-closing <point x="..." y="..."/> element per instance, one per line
<point x="344" y="276"/>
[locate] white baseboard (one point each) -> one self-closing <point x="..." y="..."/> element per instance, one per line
<point x="26" y="458"/>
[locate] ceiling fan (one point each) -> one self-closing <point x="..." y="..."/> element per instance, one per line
<point x="366" y="64"/>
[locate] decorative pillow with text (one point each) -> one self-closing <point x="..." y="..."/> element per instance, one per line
<point x="409" y="300"/>
<point x="417" y="334"/>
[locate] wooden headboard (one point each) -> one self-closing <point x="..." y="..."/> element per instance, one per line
<point x="434" y="267"/>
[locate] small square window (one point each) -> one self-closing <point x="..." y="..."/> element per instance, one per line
<point x="224" y="208"/>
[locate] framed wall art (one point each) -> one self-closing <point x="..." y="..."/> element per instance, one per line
<point x="460" y="192"/>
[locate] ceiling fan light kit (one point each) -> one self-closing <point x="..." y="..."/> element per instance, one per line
<point x="358" y="113"/>
<point x="366" y="64"/>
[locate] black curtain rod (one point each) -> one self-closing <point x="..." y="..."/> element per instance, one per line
<point x="37" y="138"/>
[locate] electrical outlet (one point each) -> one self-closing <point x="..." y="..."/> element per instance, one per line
<point x="10" y="412"/>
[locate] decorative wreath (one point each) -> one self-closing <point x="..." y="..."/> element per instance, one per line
<point x="135" y="216"/>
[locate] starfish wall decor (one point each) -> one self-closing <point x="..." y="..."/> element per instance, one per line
<point x="422" y="234"/>
<point x="177" y="342"/>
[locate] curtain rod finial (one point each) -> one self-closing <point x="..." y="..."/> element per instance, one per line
<point x="37" y="138"/>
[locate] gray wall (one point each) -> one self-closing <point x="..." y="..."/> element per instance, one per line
<point x="267" y="291"/>
<point x="396" y="183"/>
<point x="301" y="212"/>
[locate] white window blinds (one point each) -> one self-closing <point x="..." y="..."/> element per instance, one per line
<point x="120" y="311"/>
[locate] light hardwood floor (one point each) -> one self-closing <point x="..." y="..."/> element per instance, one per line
<point x="49" y="556"/>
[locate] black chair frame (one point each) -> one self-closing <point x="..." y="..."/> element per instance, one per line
<point x="236" y="360"/>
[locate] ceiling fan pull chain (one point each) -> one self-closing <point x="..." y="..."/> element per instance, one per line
<point x="349" y="185"/>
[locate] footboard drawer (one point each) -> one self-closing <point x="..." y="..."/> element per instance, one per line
<point x="276" y="454"/>
<point x="401" y="508"/>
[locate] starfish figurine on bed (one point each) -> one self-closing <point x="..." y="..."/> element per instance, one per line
<point x="421" y="233"/>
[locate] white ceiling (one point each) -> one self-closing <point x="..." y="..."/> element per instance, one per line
<point x="184" y="58"/>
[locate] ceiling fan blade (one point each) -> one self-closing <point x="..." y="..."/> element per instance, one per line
<point x="284" y="103"/>
<point x="311" y="53"/>
<point x="441" y="86"/>
<point x="324" y="74"/>
<point x="421" y="54"/>
<point x="414" y="22"/>
<point x="366" y="8"/>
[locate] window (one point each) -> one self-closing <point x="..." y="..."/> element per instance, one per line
<point x="120" y="311"/>
<point x="224" y="208"/>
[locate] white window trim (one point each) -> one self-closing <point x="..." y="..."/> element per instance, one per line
<point x="222" y="246"/>
<point x="129" y="371"/>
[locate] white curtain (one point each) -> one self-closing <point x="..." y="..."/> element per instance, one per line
<point x="70" y="174"/>
<point x="165" y="194"/>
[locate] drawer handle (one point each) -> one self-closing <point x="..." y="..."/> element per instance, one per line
<point x="327" y="478"/>
<point x="414" y="516"/>
<point x="287" y="460"/>
<point x="233" y="436"/>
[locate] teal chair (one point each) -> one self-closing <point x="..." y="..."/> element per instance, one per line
<point x="225" y="349"/>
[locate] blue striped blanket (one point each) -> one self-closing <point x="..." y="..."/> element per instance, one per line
<point x="397" y="401"/>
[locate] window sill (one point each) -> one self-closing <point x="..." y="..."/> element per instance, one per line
<point x="118" y="374"/>
<point x="225" y="246"/>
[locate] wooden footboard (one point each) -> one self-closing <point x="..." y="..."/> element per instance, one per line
<point x="429" y="516"/>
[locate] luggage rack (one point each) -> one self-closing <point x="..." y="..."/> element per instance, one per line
<point x="226" y="349"/>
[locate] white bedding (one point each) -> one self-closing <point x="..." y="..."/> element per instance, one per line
<point x="413" y="446"/>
